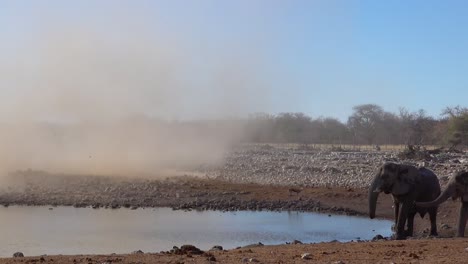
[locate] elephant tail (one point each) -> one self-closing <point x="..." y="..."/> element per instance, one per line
<point x="442" y="198"/>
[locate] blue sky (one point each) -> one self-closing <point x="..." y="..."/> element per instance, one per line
<point x="317" y="57"/>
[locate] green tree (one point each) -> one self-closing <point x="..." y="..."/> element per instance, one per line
<point x="457" y="125"/>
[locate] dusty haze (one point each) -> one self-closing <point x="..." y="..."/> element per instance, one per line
<point x="77" y="99"/>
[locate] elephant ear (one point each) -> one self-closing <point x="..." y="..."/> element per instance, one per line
<point x="463" y="178"/>
<point x="406" y="179"/>
<point x="409" y="175"/>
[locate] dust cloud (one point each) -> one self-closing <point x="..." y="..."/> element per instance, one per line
<point x="77" y="99"/>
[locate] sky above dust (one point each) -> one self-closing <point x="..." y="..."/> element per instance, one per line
<point x="96" y="70"/>
<point x="67" y="60"/>
<point x="231" y="57"/>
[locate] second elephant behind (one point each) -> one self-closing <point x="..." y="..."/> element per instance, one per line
<point x="457" y="187"/>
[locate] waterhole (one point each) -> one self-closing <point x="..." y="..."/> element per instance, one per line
<point x="68" y="230"/>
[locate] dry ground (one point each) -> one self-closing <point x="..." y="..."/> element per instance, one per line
<point x="410" y="251"/>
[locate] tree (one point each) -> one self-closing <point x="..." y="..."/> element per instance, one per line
<point x="389" y="129"/>
<point x="417" y="127"/>
<point x="457" y="125"/>
<point x="260" y="128"/>
<point x="293" y="127"/>
<point x="364" y="122"/>
<point x="454" y="111"/>
<point x="331" y="130"/>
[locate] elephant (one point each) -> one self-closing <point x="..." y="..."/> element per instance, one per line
<point x="457" y="187"/>
<point x="408" y="185"/>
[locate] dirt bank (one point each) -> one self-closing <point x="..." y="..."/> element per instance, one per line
<point x="192" y="193"/>
<point x="409" y="251"/>
<point x="183" y="193"/>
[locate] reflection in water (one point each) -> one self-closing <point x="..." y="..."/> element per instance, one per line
<point x="294" y="218"/>
<point x="67" y="230"/>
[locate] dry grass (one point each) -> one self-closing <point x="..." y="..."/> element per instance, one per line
<point x="349" y="147"/>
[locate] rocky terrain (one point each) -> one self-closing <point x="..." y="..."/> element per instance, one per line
<point x="317" y="168"/>
<point x="293" y="175"/>
<point x="180" y="193"/>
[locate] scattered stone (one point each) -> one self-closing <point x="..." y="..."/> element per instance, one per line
<point x="216" y="248"/>
<point x="253" y="260"/>
<point x="338" y="262"/>
<point x="306" y="256"/>
<point x="190" y="249"/>
<point x="378" y="237"/>
<point x="138" y="252"/>
<point x="254" y="245"/>
<point x="303" y="168"/>
<point x="444" y="226"/>
<point x="18" y="255"/>
<point x="211" y="258"/>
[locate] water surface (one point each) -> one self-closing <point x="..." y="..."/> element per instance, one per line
<point x="68" y="230"/>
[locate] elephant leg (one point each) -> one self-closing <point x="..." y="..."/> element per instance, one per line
<point x="402" y="216"/>
<point x="465" y="209"/>
<point x="409" y="224"/>
<point x="433" y="217"/>
<point x="462" y="219"/>
<point x="396" y="210"/>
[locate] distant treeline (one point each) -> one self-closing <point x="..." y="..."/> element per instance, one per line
<point x="368" y="124"/>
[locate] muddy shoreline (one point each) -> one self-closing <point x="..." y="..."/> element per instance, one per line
<point x="179" y="193"/>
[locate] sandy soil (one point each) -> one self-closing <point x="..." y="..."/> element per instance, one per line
<point x="409" y="251"/>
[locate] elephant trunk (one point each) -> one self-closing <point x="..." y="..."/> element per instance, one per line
<point x="449" y="191"/>
<point x="373" y="195"/>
